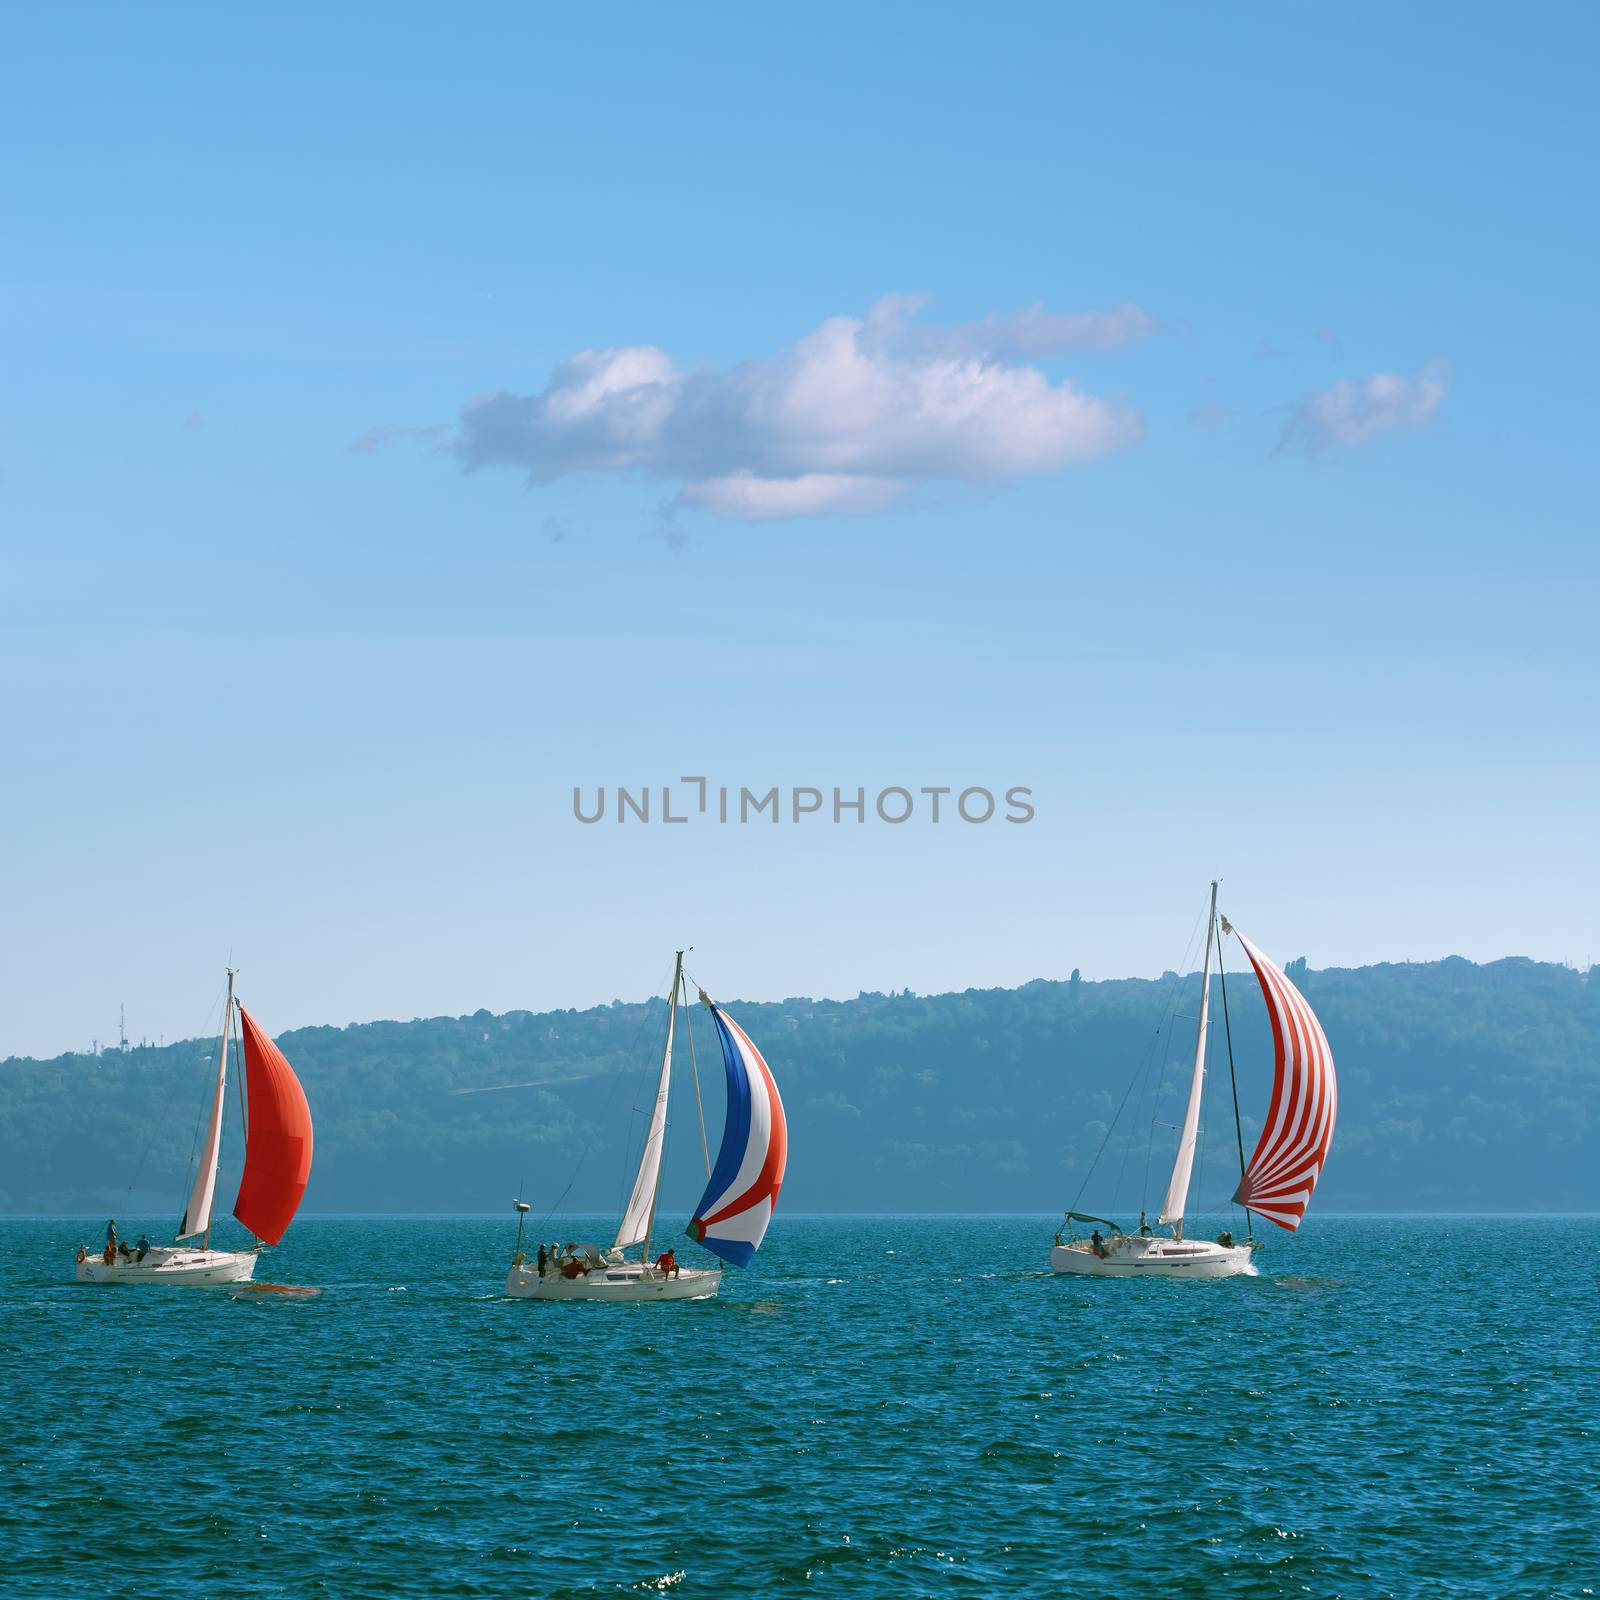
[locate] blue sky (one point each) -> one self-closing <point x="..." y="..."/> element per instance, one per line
<point x="1287" y="576"/>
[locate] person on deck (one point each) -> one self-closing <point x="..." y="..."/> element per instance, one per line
<point x="111" y="1234"/>
<point x="1145" y="1230"/>
<point x="544" y="1259"/>
<point x="574" y="1268"/>
<point x="141" y="1247"/>
<point x="667" y="1264"/>
<point x="1098" y="1245"/>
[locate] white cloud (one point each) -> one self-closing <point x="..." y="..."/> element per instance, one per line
<point x="843" y="421"/>
<point x="814" y="494"/>
<point x="1359" y="409"/>
<point x="376" y="439"/>
<point x="1033" y="331"/>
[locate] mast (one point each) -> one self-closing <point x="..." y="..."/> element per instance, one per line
<point x="1183" y="1167"/>
<point x="660" y="1133"/>
<point x="197" y="1214"/>
<point x="243" y="1078"/>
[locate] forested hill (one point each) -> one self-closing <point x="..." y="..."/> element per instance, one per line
<point x="1462" y="1087"/>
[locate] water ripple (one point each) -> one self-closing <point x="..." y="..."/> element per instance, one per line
<point x="882" y="1408"/>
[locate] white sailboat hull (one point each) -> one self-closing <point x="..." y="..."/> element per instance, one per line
<point x="631" y="1281"/>
<point x="196" y="1268"/>
<point x="1132" y="1257"/>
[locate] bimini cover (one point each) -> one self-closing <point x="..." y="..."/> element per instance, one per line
<point x="733" y="1214"/>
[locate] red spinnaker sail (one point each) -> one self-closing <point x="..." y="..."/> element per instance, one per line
<point x="1305" y="1100"/>
<point x="277" y="1147"/>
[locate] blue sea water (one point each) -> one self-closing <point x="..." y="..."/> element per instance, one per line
<point x="883" y="1406"/>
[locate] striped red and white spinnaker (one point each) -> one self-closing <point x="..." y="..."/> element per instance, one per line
<point x="1288" y="1159"/>
<point x="1277" y="1181"/>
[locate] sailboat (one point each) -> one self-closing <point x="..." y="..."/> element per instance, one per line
<point x="741" y="1189"/>
<point x="277" y="1165"/>
<point x="1278" y="1181"/>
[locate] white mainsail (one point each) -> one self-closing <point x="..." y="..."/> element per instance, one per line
<point x="1183" y="1167"/>
<point x="197" y="1214"/>
<point x="636" y="1220"/>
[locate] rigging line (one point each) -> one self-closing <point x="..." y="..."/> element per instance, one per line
<point x="625" y="1186"/>
<point x="672" y="1018"/>
<point x="238" y="1079"/>
<point x="694" y="1068"/>
<point x="699" y="988"/>
<point x="1233" y="1081"/>
<point x="194" y="1147"/>
<point x="1200" y="1123"/>
<point x="1077" y="1198"/>
<point x="238" y="1075"/>
<point x="594" y="1131"/>
<point x="1155" y="1105"/>
<point x="1166" y="1057"/>
<point x="161" y="1121"/>
<point x="545" y="1219"/>
<point x="694" y="1065"/>
<point x="1138" y="1075"/>
<point x="1163" y="1033"/>
<point x="194" y="1151"/>
<point x="1127" y="1146"/>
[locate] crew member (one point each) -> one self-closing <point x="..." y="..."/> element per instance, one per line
<point x="544" y="1259"/>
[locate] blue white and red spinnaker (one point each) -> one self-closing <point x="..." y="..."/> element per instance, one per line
<point x="733" y="1214"/>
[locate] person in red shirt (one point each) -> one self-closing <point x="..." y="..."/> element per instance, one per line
<point x="667" y="1264"/>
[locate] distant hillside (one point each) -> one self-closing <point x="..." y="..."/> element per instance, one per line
<point x="1462" y="1087"/>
